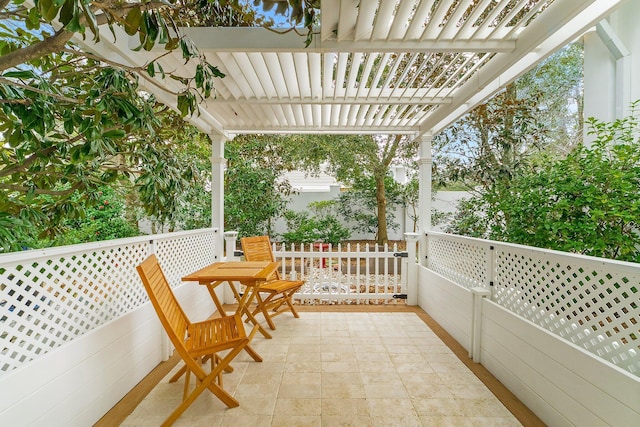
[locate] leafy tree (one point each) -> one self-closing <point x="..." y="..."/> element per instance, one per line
<point x="104" y="221"/>
<point x="360" y="205"/>
<point x="357" y="160"/>
<point x="539" y="111"/>
<point x="587" y="202"/>
<point x="71" y="122"/>
<point x="255" y="194"/>
<point x="323" y="226"/>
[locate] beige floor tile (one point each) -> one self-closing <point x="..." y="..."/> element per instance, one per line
<point x="303" y="391"/>
<point x="470" y="391"/>
<point x="446" y="421"/>
<point x="301" y="406"/>
<point x="408" y="358"/>
<point x="347" y="420"/>
<point x="373" y="357"/>
<point x="376" y="366"/>
<point x="296" y="421"/>
<point x="483" y="408"/>
<point x="343" y="391"/>
<point x="396" y="420"/>
<point x="340" y="369"/>
<point x="337" y="407"/>
<point x="301" y="378"/>
<point x="428" y="391"/>
<point x="386" y="391"/>
<point x="305" y="348"/>
<point x="231" y="419"/>
<point x="329" y="356"/>
<point x="340" y="378"/>
<point x="337" y="348"/>
<point x="439" y="407"/>
<point x="303" y="366"/>
<point x="379" y="377"/>
<point x="340" y="366"/>
<point x="413" y="368"/>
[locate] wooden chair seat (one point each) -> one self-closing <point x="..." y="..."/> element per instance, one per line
<point x="279" y="292"/>
<point x="194" y="341"/>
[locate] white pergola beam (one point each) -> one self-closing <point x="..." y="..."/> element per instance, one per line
<point x="262" y="40"/>
<point x="538" y="40"/>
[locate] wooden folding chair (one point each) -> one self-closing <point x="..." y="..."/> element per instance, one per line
<point x="196" y="340"/>
<point x="279" y="291"/>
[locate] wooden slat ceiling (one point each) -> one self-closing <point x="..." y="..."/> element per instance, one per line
<point x="375" y="66"/>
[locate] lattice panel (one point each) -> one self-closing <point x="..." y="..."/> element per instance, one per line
<point x="181" y="256"/>
<point x="464" y="262"/>
<point x="46" y="301"/>
<point x="593" y="304"/>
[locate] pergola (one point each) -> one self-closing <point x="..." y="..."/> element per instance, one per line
<point x="375" y="66"/>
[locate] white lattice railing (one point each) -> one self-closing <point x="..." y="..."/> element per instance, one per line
<point x="49" y="297"/>
<point x="591" y="302"/>
<point x="356" y="274"/>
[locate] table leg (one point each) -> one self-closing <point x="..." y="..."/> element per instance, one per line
<point x="211" y="288"/>
<point x="243" y="306"/>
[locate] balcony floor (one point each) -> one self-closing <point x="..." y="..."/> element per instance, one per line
<point x="337" y="368"/>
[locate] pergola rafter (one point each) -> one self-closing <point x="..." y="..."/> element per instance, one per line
<point x="379" y="66"/>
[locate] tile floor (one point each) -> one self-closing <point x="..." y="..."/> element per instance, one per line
<point x="340" y="369"/>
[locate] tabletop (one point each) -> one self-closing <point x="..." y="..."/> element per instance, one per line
<point x="241" y="271"/>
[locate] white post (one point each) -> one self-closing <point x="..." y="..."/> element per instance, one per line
<point x="411" y="276"/>
<point x="424" y="200"/>
<point x="476" y="322"/>
<point x="230" y="238"/>
<point x="230" y="246"/>
<point x="218" y="164"/>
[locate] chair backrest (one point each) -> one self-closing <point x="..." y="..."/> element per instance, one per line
<point x="173" y="318"/>
<point x="258" y="248"/>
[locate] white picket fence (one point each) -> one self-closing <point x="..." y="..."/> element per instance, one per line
<point x="351" y="274"/>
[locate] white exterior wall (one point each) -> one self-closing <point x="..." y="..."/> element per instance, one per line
<point x="610" y="84"/>
<point x="75" y="384"/>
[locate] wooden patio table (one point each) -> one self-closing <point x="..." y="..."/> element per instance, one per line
<point x="249" y="274"/>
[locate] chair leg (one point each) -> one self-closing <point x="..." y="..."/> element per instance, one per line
<point x="290" y="304"/>
<point x="262" y="308"/>
<point x="187" y="380"/>
<point x="207" y="381"/>
<point x="254" y="354"/>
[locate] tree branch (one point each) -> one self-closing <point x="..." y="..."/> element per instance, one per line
<point x="23" y="189"/>
<point x="28" y="161"/>
<point x="36" y="90"/>
<point x="37" y="50"/>
<point x="4" y="4"/>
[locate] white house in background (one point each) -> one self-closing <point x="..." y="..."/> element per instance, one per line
<point x="322" y="187"/>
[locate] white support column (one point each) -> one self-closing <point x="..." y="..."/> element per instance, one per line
<point x="476" y="322"/>
<point x="218" y="164"/>
<point x="411" y="274"/>
<point x="424" y="201"/>
<point x="230" y="238"/>
<point x="622" y="58"/>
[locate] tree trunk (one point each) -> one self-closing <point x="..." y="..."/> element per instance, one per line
<point x="381" y="199"/>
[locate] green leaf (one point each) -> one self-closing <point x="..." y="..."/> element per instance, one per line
<point x="132" y="21"/>
<point x="20" y="74"/>
<point x="151" y="69"/>
<point x="69" y="9"/>
<point x="115" y="133"/>
<point x="90" y="17"/>
<point x="47" y="9"/>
